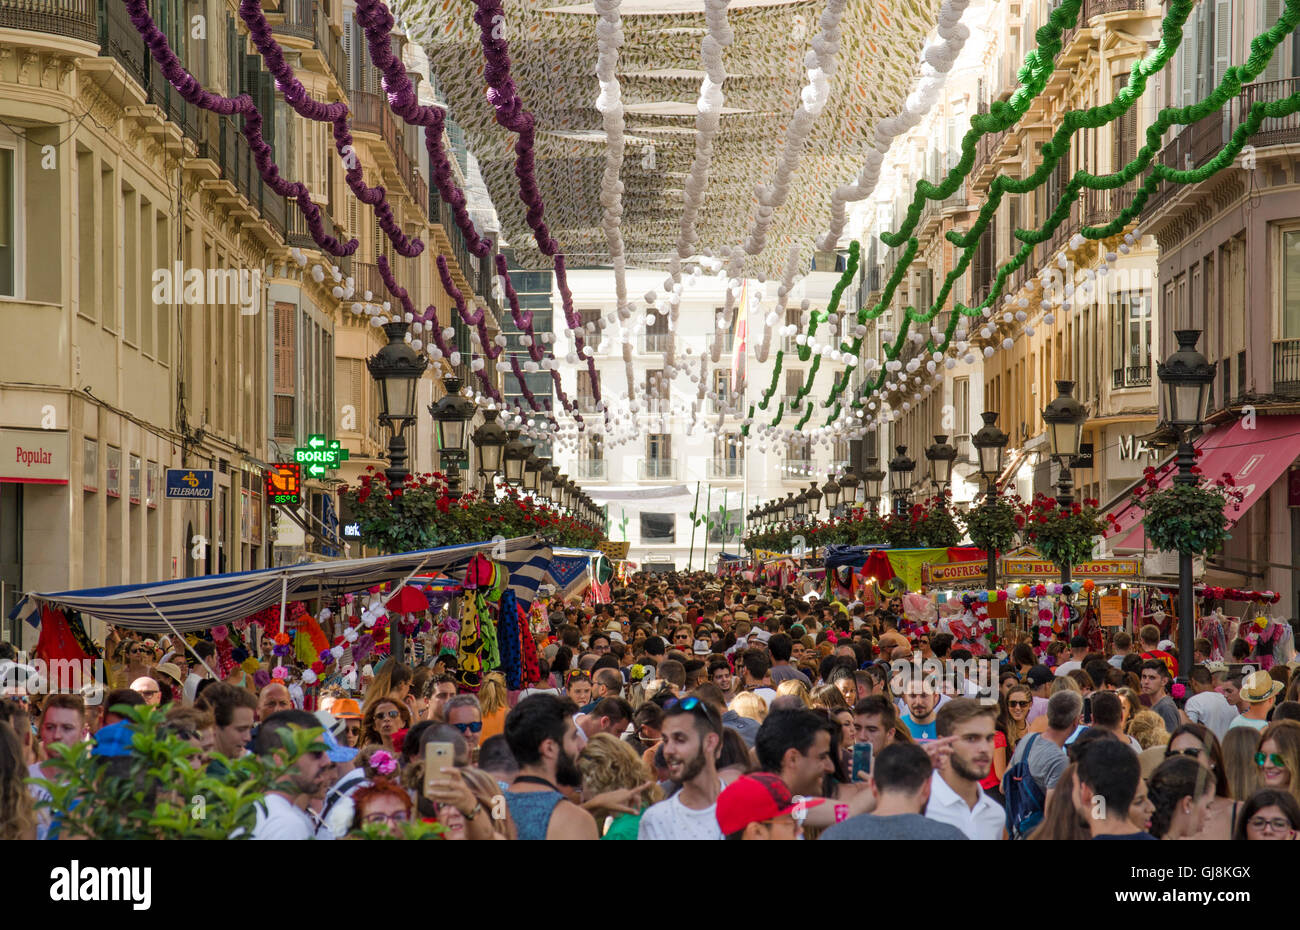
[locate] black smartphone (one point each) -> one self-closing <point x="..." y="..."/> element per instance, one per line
<point x="861" y="760"/>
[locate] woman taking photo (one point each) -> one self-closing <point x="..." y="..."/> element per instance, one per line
<point x="1181" y="790"/>
<point x="1195" y="741"/>
<point x="380" y="719"/>
<point x="1269" y="814"/>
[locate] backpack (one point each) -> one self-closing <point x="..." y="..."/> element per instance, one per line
<point x="1024" y="799"/>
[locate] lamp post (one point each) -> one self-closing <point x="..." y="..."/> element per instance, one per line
<point x="990" y="443"/>
<point x="900" y="479"/>
<point x="1186" y="377"/>
<point x="546" y="478"/>
<point x="532" y="473"/>
<point x="813" y="496"/>
<point x="396" y="368"/>
<point x="490" y="442"/>
<point x="451" y="415"/>
<point x="1065" y="417"/>
<point x="941" y="455"/>
<point x="831" y="492"/>
<point x="849" y="482"/>
<point x="514" y="457"/>
<point x="873" y="476"/>
<point x="789" y="507"/>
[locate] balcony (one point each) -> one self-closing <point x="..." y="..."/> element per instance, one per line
<point x="1102" y="206"/>
<point x="232" y="154"/>
<point x="987" y="149"/>
<point x="654" y="342"/>
<point x="307" y="19"/>
<point x="371" y="114"/>
<point x="797" y="469"/>
<point x="656" y="470"/>
<point x="725" y="342"/>
<point x="74" y="19"/>
<point x="726" y="468"/>
<point x="591" y="469"/>
<point x="1286" y="367"/>
<point x="1132" y="376"/>
<point x="793" y="403"/>
<point x="298" y="234"/>
<point x="587" y="404"/>
<point x="366" y="277"/>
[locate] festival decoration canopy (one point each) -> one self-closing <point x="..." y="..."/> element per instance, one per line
<point x="553" y="50"/>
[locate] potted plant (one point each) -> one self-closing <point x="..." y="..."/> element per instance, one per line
<point x="995" y="524"/>
<point x="1064" y="535"/>
<point x="1187" y="517"/>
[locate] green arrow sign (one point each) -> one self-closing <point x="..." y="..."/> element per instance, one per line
<point x="319" y="455"/>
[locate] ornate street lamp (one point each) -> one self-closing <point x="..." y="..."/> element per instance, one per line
<point x="831" y="492"/>
<point x="396" y="368"/>
<point x="1187" y="377"/>
<point x="514" y="457"/>
<point x="814" y="499"/>
<point x="849" y="484"/>
<point x="941" y="455"/>
<point x="900" y="478"/>
<point x="546" y="478"/>
<point x="873" y="476"/>
<point x="532" y="472"/>
<point x="1065" y="417"/>
<point x="451" y="414"/>
<point x="789" y="507"/>
<point x="490" y="444"/>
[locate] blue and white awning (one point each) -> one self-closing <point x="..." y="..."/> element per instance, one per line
<point x="200" y="603"/>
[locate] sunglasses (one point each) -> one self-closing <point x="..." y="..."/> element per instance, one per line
<point x="1020" y="703"/>
<point x="474" y="727"/>
<point x="387" y="714"/>
<point x="571" y="677"/>
<point x="1267" y="759"/>
<point x="1194" y="752"/>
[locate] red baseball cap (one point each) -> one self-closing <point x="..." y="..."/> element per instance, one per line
<point x="753" y="799"/>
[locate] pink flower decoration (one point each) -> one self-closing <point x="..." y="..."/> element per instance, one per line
<point x="281" y="672"/>
<point x="220" y="634"/>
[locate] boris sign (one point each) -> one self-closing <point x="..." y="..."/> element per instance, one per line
<point x="320" y="455"/>
<point x="33" y="456"/>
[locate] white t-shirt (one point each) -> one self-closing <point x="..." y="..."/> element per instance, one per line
<point x="39" y="793"/>
<point x="190" y="687"/>
<point x="767" y="694"/>
<point x="277" y="819"/>
<point x="1211" y="709"/>
<point x="1066" y="668"/>
<point x="673" y="820"/>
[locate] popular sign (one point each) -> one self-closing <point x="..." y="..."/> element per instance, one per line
<point x="319" y="455"/>
<point x="284" y="484"/>
<point x="189" y="484"/>
<point x="33" y="456"/>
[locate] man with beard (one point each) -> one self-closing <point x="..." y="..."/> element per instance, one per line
<point x="692" y="734"/>
<point x="921" y="698"/>
<point x="282" y="815"/>
<point x="956" y="797"/>
<point x="544" y="741"/>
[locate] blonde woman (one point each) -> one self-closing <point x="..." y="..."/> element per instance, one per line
<point x="1148" y="729"/>
<point x="610" y="767"/>
<point x="1245" y="777"/>
<point x="493" y="702"/>
<point x="750" y="705"/>
<point x="795" y="687"/>
<point x="474" y="791"/>
<point x="17" y="818"/>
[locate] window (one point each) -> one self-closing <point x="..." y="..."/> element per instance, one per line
<point x="1130" y="313"/>
<point x="285" y="380"/>
<point x="136" y="480"/>
<point x="722" y="384"/>
<point x="89" y="464"/>
<point x="10" y="227"/>
<point x="1290" y="328"/>
<point x="152" y="481"/>
<point x="113" y="473"/>
<point x="658" y="446"/>
<point x="654" y="382"/>
<point x="718" y="533"/>
<point x="658" y="528"/>
<point x="592" y="326"/>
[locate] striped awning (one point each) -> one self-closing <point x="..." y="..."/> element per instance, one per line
<point x="200" y="603"/>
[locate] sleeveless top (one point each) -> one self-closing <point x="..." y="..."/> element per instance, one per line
<point x="531" y="812"/>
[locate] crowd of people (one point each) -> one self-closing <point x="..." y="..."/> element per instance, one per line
<point x="693" y="707"/>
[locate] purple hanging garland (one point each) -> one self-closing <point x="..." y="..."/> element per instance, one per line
<point x="192" y="92"/>
<point x="250" y="11"/>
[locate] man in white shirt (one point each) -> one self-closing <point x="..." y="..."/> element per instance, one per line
<point x="283" y="815"/>
<point x="205" y="651"/>
<point x="63" y="720"/>
<point x="755" y="671"/>
<point x="1078" y="649"/>
<point x="1207" y="706"/>
<point x="956" y="797"/>
<point x="692" y="734"/>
